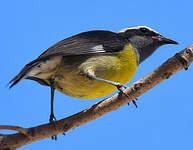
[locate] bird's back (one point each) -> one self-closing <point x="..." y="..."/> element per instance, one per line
<point x="86" y="43"/>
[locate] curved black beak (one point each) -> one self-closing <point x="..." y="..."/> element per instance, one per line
<point x="165" y="40"/>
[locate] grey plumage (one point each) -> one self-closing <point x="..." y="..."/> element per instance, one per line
<point x="88" y="64"/>
<point x="86" y="43"/>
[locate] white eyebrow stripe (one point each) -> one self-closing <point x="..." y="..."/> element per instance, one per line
<point x="136" y="27"/>
<point x="98" y="48"/>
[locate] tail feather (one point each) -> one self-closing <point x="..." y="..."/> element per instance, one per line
<point x="14" y="81"/>
<point x="22" y="74"/>
<point x="18" y="77"/>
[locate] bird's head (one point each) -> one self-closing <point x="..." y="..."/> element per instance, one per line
<point x="145" y="40"/>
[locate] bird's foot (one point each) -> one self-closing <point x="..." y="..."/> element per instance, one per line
<point x="134" y="103"/>
<point x="122" y="89"/>
<point x="53" y="121"/>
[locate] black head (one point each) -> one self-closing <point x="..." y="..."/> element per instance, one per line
<point x="145" y="40"/>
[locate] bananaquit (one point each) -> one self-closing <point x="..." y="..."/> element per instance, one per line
<point x="93" y="64"/>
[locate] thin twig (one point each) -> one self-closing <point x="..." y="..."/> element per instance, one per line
<point x="15" y="128"/>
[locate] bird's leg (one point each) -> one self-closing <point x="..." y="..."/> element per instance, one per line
<point x="52" y="117"/>
<point x="119" y="86"/>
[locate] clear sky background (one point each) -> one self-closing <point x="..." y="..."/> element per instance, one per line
<point x="163" y="119"/>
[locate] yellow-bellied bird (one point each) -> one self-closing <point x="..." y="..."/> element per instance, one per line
<point x="93" y="64"/>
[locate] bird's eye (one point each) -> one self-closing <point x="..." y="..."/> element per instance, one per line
<point x="144" y="30"/>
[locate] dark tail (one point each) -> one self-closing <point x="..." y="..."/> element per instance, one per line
<point x="26" y="69"/>
<point x="15" y="80"/>
<point x="22" y="74"/>
<point x="19" y="77"/>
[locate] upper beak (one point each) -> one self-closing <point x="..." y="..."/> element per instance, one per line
<point x="165" y="40"/>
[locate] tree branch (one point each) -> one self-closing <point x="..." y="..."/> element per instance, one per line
<point x="181" y="60"/>
<point x="16" y="128"/>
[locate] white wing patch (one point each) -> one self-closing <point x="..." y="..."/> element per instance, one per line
<point x="98" y="48"/>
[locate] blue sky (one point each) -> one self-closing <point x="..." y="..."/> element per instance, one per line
<point x="163" y="119"/>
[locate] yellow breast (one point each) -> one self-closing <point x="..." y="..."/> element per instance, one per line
<point x="119" y="67"/>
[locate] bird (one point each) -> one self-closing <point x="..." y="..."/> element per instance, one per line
<point x="92" y="64"/>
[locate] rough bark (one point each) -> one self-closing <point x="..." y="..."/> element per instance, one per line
<point x="28" y="135"/>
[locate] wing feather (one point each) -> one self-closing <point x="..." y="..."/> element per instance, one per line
<point x="98" y="41"/>
<point x="91" y="42"/>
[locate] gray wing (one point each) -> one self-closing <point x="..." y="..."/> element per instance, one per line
<point x="86" y="43"/>
<point x="81" y="44"/>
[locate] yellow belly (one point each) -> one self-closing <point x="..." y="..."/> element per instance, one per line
<point x="119" y="67"/>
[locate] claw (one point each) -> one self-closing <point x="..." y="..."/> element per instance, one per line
<point x="134" y="102"/>
<point x="54" y="137"/>
<point x="122" y="88"/>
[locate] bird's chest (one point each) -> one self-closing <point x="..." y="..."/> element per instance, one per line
<point x="122" y="67"/>
<point x="118" y="68"/>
